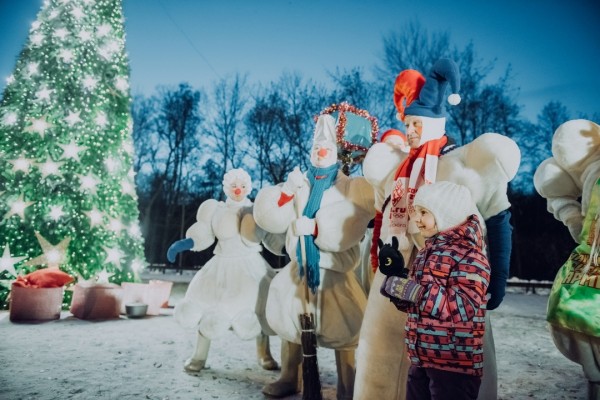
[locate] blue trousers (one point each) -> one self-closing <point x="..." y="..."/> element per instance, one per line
<point x="435" y="384"/>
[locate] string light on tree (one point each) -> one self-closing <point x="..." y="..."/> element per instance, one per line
<point x="67" y="154"/>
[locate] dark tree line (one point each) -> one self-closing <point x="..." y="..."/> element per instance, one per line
<point x="187" y="138"/>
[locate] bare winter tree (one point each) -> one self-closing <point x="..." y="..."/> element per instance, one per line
<point x="177" y="127"/>
<point x="412" y="47"/>
<point x="353" y="87"/>
<point x="267" y="141"/>
<point x="304" y="100"/>
<point x="175" y="140"/>
<point x="146" y="144"/>
<point x="551" y="117"/>
<point x="486" y="105"/>
<point x="229" y="99"/>
<point x="535" y="141"/>
<point x="280" y="126"/>
<point x="143" y="112"/>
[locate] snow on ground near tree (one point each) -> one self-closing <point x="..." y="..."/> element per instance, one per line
<point x="142" y="359"/>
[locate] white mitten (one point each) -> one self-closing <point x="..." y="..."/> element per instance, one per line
<point x="303" y="226"/>
<point x="295" y="180"/>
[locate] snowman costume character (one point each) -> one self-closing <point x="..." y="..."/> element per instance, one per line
<point x="397" y="168"/>
<point x="230" y="290"/>
<point x="569" y="181"/>
<point x="330" y="211"/>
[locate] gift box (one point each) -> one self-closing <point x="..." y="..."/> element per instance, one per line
<point x="155" y="294"/>
<point x="29" y="304"/>
<point x="96" y="301"/>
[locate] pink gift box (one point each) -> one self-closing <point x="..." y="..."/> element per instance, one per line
<point x="35" y="304"/>
<point x="155" y="294"/>
<point x="96" y="301"/>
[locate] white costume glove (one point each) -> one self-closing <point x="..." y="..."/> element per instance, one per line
<point x="303" y="226"/>
<point x="295" y="180"/>
<point x="575" y="225"/>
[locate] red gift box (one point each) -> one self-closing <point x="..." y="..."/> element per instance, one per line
<point x="96" y="301"/>
<point x="35" y="304"/>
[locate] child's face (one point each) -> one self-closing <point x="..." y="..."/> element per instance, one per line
<point x="425" y="222"/>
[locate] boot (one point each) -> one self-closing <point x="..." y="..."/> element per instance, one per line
<point x="289" y="380"/>
<point x="197" y="361"/>
<point x="345" y="364"/>
<point x="263" y="353"/>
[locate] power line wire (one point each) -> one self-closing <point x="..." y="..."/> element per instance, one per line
<point x="189" y="40"/>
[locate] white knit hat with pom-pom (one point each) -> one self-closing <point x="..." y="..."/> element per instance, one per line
<point x="450" y="204"/>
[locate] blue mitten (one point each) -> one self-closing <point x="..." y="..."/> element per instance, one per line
<point x="179" y="246"/>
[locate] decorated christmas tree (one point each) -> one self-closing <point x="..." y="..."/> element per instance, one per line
<point x="67" y="193"/>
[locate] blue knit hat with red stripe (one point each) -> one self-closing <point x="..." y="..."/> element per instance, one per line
<point x="430" y="102"/>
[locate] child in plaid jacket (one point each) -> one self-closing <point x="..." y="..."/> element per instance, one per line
<point x="444" y="296"/>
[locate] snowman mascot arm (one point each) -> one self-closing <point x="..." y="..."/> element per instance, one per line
<point x="200" y="235"/>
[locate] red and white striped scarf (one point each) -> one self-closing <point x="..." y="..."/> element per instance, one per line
<point x="420" y="167"/>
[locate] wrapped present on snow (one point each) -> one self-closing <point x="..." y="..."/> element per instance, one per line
<point x="38" y="295"/>
<point x="96" y="300"/>
<point x="155" y="294"/>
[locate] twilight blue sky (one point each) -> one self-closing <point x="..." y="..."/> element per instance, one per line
<point x="553" y="45"/>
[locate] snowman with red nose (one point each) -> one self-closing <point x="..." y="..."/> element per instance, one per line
<point x="324" y="215"/>
<point x="229" y="292"/>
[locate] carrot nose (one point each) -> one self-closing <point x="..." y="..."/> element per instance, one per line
<point x="237" y="191"/>
<point x="322" y="153"/>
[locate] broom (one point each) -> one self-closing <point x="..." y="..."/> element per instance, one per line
<point x="311" y="383"/>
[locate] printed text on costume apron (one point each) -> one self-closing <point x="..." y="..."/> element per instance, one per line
<point x="591" y="279"/>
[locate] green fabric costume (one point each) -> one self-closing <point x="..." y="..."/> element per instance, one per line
<point x="574" y="301"/>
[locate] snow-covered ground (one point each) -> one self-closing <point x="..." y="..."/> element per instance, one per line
<point x="142" y="359"/>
